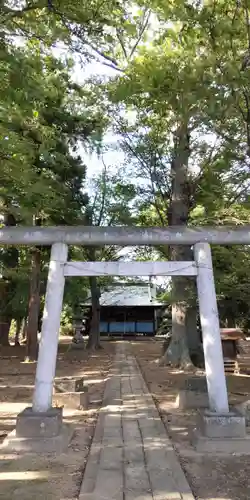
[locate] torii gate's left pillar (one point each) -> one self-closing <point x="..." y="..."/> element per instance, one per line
<point x="46" y="364"/>
<point x="40" y="427"/>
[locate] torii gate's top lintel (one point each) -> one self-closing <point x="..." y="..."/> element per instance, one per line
<point x="124" y="236"/>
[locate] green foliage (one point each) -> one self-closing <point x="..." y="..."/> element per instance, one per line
<point x="44" y="116"/>
<point x="178" y="63"/>
<point x="195" y="71"/>
<point x="66" y="321"/>
<point x="34" y="133"/>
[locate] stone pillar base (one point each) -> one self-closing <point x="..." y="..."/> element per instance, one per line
<point x="227" y="425"/>
<point x="244" y="409"/>
<point x="74" y="400"/>
<point x="193" y="394"/>
<point x="31" y="424"/>
<point x="38" y="432"/>
<point x="221" y="433"/>
<point x="69" y="385"/>
<point x="191" y="400"/>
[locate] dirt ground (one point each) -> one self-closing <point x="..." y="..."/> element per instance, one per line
<point x="210" y="477"/>
<point x="49" y="476"/>
<point x="58" y="477"/>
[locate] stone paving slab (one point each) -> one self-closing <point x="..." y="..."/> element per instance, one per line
<point x="131" y="456"/>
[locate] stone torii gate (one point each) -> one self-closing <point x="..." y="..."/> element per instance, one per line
<point x="42" y="421"/>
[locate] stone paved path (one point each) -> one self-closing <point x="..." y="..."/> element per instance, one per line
<point x="131" y="456"/>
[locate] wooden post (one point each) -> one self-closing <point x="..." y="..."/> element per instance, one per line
<point x="215" y="374"/>
<point x="46" y="364"/>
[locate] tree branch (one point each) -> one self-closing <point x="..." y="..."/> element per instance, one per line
<point x="12" y="13"/>
<point x="104" y="192"/>
<point x="103" y="55"/>
<point x="142" y="30"/>
<point x="148" y="168"/>
<point x="119" y="36"/>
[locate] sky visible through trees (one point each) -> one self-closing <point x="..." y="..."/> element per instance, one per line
<point x="125" y="113"/>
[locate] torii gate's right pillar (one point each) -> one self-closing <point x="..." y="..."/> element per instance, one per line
<point x="210" y="325"/>
<point x="219" y="430"/>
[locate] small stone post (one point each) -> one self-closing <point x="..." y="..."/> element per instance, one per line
<point x="46" y="365"/>
<point x="215" y="374"/>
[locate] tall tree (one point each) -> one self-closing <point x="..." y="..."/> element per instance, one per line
<point x="41" y="127"/>
<point x="9" y="260"/>
<point x="191" y="82"/>
<point x="109" y="205"/>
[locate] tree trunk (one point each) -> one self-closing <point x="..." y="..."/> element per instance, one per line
<point x="94" y="331"/>
<point x="94" y="334"/>
<point x="177" y="353"/>
<point x="193" y="337"/>
<point x="9" y="258"/>
<point x="194" y="341"/>
<point x="4" y="331"/>
<point x="192" y="331"/>
<point x="24" y="329"/>
<point x="230" y="320"/>
<point x="34" y="307"/>
<point x="5" y="320"/>
<point x="18" y="330"/>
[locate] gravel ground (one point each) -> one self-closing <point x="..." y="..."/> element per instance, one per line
<point x="210" y="477"/>
<point x="49" y="476"/>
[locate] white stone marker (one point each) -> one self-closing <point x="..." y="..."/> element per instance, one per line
<point x="215" y="374"/>
<point x="46" y="364"/>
